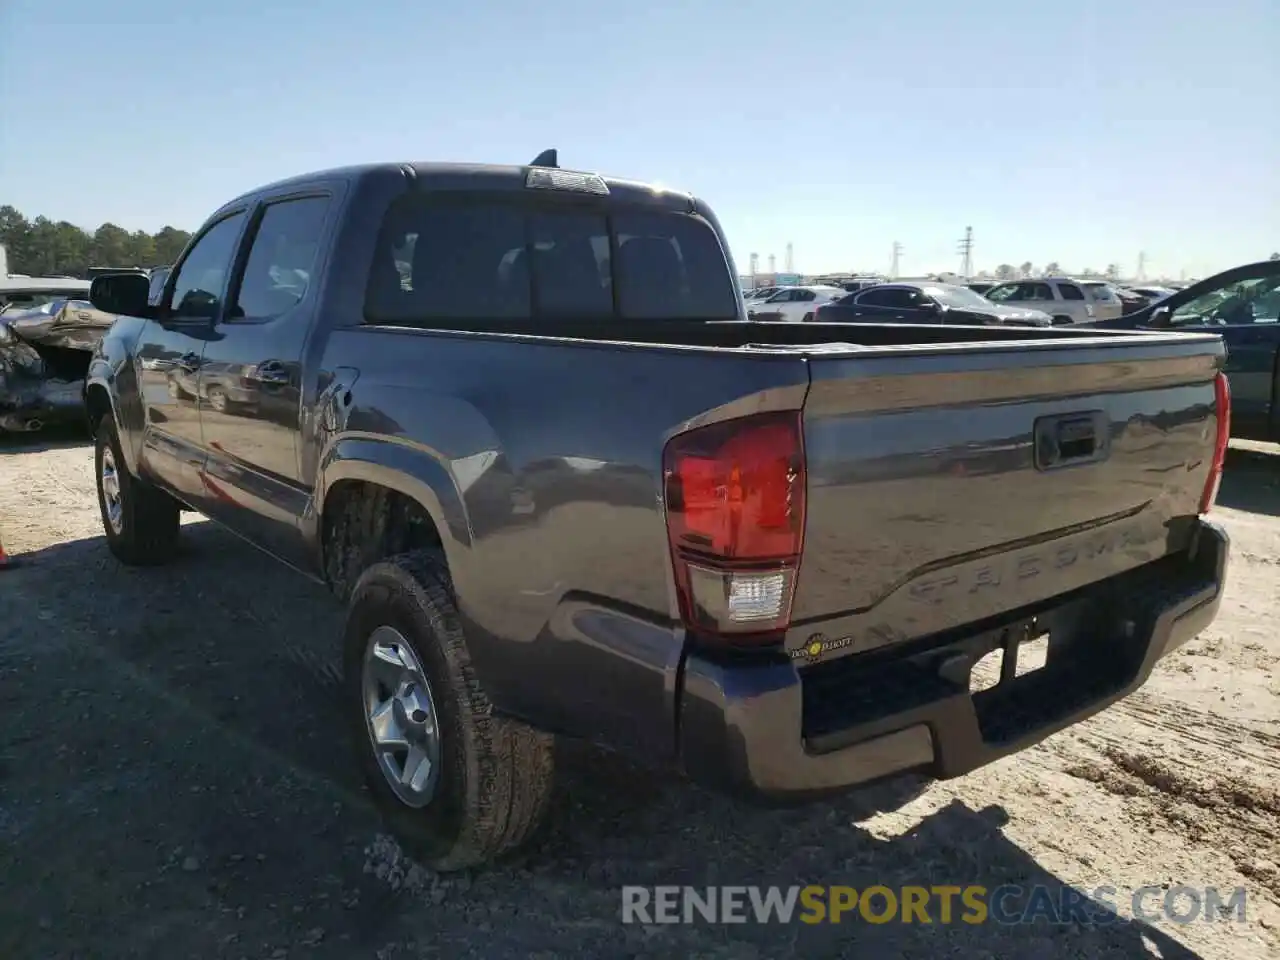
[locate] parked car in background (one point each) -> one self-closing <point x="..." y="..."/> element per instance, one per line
<point x="855" y="284"/>
<point x="760" y="293"/>
<point x="792" y="304"/>
<point x="927" y="303"/>
<point x="44" y="353"/>
<point x="48" y="331"/>
<point x="1065" y="300"/>
<point x="1242" y="305"/>
<point x="27" y="293"/>
<point x="1152" y="294"/>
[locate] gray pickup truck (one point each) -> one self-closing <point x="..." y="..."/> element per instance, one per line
<point x="516" y="419"/>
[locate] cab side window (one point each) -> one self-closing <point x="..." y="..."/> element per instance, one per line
<point x="282" y="259"/>
<point x="202" y="279"/>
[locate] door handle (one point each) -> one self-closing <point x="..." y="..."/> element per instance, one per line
<point x="1068" y="439"/>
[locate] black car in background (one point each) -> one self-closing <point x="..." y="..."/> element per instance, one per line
<point x="1242" y="305"/>
<point x="926" y="302"/>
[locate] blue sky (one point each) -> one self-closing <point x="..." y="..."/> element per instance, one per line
<point x="1079" y="132"/>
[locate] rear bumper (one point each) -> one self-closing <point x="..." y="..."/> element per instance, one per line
<point x="784" y="731"/>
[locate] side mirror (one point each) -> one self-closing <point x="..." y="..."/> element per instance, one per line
<point x="1161" y="317"/>
<point x="122" y="293"/>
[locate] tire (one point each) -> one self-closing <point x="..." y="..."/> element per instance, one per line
<point x="492" y="779"/>
<point x="139" y="520"/>
<point x="1062" y="321"/>
<point x="807" y="318"/>
<point x="218" y="399"/>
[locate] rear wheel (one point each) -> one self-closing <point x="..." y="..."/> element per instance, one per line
<point x="1061" y="321"/>
<point x="139" y="520"/>
<point x="457" y="784"/>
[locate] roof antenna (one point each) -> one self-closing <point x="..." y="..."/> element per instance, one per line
<point x="547" y="158"/>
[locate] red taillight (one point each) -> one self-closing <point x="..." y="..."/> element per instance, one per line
<point x="1222" y="402"/>
<point x="735" y="496"/>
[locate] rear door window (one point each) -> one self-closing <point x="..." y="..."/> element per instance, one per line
<point x="1100" y="291"/>
<point x="1070" y="291"/>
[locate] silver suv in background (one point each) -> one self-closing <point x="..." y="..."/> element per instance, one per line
<point x="1065" y="299"/>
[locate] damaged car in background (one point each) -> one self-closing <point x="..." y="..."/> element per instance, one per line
<point x="46" y="340"/>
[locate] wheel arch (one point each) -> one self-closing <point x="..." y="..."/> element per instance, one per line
<point x="376" y="498"/>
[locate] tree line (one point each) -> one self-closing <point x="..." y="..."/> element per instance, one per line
<point x="1007" y="271"/>
<point x="45" y="248"/>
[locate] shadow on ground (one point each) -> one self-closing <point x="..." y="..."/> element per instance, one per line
<point x="61" y="437"/>
<point x="1251" y="481"/>
<point x="174" y="781"/>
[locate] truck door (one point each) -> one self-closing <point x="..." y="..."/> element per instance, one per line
<point x="251" y="377"/>
<point x="169" y="354"/>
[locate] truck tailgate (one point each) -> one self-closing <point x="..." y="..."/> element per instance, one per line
<point x="957" y="483"/>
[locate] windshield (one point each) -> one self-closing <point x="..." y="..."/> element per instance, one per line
<point x="960" y="297"/>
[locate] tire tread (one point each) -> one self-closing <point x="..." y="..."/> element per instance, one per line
<point x="508" y="766"/>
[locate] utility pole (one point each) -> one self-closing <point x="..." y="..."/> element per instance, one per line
<point x="773" y="266"/>
<point x="754" y="261"/>
<point x="791" y="265"/>
<point x="965" y="249"/>
<point x="897" y="255"/>
<point x="1142" y="265"/>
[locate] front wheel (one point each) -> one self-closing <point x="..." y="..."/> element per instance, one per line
<point x="808" y="317"/>
<point x="459" y="785"/>
<point x="140" y="521"/>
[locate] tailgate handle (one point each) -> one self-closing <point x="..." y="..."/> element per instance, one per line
<point x="1070" y="439"/>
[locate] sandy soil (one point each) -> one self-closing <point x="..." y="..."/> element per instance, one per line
<point x="173" y="783"/>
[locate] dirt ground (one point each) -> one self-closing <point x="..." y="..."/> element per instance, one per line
<point x="174" y="783"/>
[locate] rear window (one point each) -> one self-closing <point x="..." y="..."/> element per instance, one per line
<point x="441" y="261"/>
<point x="1100" y="291"/>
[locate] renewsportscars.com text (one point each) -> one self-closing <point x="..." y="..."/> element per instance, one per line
<point x="939" y="903"/>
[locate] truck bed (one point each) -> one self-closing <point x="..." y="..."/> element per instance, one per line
<point x="926" y="506"/>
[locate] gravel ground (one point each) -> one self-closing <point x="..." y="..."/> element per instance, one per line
<point x="174" y="783"/>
